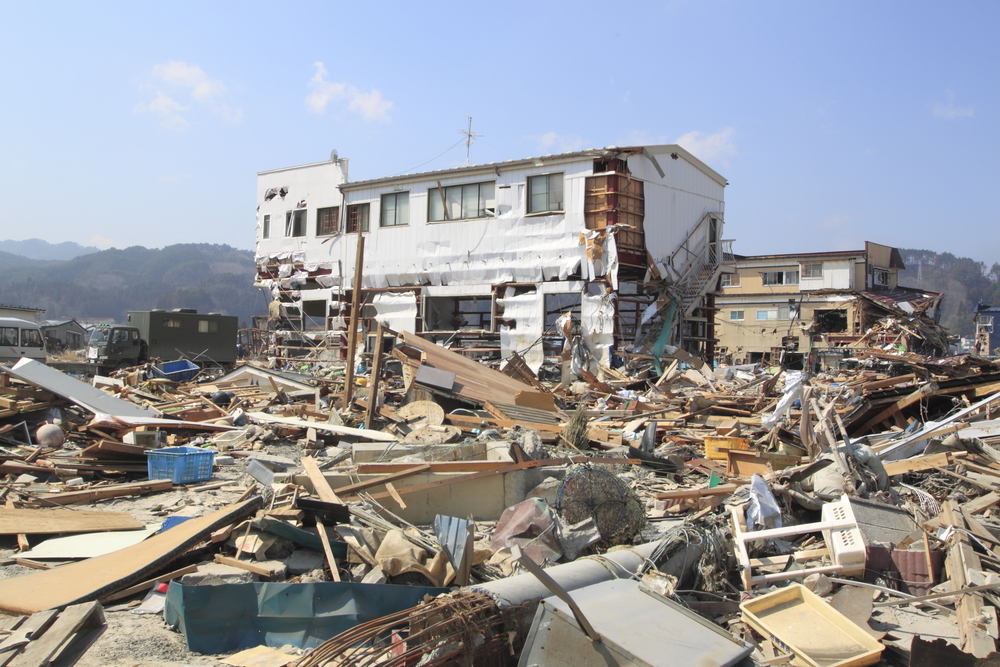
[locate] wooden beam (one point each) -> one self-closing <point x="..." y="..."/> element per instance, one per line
<point x="920" y="463"/>
<point x="330" y="560"/>
<point x="320" y="485"/>
<point x="146" y="585"/>
<point x="961" y="557"/>
<point x="922" y="392"/>
<point x="351" y="489"/>
<point x="259" y="570"/>
<point x="352" y="332"/>
<point x="104" y="492"/>
<point x="374" y="383"/>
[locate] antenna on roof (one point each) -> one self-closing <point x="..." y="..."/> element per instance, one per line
<point x="469" y="138"/>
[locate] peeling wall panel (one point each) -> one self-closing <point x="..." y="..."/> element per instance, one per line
<point x="397" y="311"/>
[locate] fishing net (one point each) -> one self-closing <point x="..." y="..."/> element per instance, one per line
<point x="593" y="492"/>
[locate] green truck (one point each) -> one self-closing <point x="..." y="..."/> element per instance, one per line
<point x="182" y="333"/>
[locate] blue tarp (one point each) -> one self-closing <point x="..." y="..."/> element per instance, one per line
<point x="232" y="617"/>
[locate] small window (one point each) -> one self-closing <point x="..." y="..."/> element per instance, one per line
<point x="208" y="326"/>
<point x="119" y="337"/>
<point x="31" y="338"/>
<point x="266" y="231"/>
<point x="730" y="280"/>
<point x="295" y="222"/>
<point x="770" y="314"/>
<point x="736" y="315"/>
<point x="461" y="202"/>
<point x="812" y="270"/>
<point x="357" y="218"/>
<point x="172" y="323"/>
<point x="545" y="193"/>
<point x="327" y="221"/>
<point x="135" y="336"/>
<point x="8" y="336"/>
<point x="395" y="210"/>
<point x="880" y="277"/>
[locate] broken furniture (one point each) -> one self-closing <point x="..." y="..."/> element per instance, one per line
<point x="840" y="530"/>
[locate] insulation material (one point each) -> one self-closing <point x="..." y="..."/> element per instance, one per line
<point x="508" y="248"/>
<point x="397" y="311"/>
<point x="597" y="325"/>
<point x="594" y="241"/>
<point x="527" y="311"/>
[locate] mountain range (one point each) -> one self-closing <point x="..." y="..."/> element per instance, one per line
<point x="109" y="283"/>
<point x="73" y="281"/>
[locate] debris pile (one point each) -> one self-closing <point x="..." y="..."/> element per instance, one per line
<point x="438" y="511"/>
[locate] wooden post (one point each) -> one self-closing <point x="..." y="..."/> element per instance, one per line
<point x="352" y="333"/>
<point x="373" y="385"/>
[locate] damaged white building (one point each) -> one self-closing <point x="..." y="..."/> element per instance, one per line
<point x="619" y="248"/>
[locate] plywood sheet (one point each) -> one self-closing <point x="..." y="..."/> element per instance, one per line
<point x="94" y="578"/>
<point x="93" y="399"/>
<point x="54" y="521"/>
<point x="88" y="545"/>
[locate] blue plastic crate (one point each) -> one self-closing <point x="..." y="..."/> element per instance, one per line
<point x="181" y="465"/>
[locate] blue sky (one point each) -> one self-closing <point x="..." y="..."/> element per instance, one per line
<point x="835" y="122"/>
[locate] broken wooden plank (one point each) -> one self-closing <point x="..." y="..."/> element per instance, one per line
<point x="104" y="492"/>
<point x="321" y="532"/>
<point x="256" y="568"/>
<point x="146" y="585"/>
<point x="52" y="521"/>
<point x="378" y="481"/>
<point x="920" y="463"/>
<point x="961" y="557"/>
<point x="96" y="577"/>
<point x="320" y="485"/>
<point x="685" y="494"/>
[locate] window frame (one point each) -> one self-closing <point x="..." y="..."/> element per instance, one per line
<point x="352" y="223"/>
<point x="808" y="270"/>
<point x="783" y="277"/>
<point x="483" y="211"/>
<point x="211" y="326"/>
<point x="742" y="315"/>
<point x="266" y="228"/>
<point x="333" y="224"/>
<point x="549" y="209"/>
<point x="293" y="216"/>
<point x="395" y="196"/>
<point x="767" y="319"/>
<point x="730" y="280"/>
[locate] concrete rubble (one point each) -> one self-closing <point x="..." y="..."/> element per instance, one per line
<point x="442" y="511"/>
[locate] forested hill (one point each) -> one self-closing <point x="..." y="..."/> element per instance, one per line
<point x="964" y="281"/>
<point x="108" y="283"/>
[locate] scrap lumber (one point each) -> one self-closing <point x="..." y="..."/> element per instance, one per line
<point x="54" y="637"/>
<point x="52" y="521"/>
<point x="146" y="585"/>
<point x="256" y="568"/>
<point x="922" y="463"/>
<point x="320" y="485"/>
<point x="474" y="382"/>
<point x="103" y="493"/>
<point x="378" y="481"/>
<point x="921" y="393"/>
<point x="685" y="494"/>
<point x="296" y="422"/>
<point x="331" y="561"/>
<point x="376" y="376"/>
<point x="97" y="577"/>
<point x="970" y="608"/>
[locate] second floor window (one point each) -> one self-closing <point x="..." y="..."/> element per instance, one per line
<point x="461" y="202"/>
<point x="812" y="270"/>
<point x="266" y="231"/>
<point x="357" y="218"/>
<point x="295" y="222"/>
<point x="545" y="193"/>
<point x="327" y="221"/>
<point x="780" y="278"/>
<point x="395" y="210"/>
<point x="730" y="280"/>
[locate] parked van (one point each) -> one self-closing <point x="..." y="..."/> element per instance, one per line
<point x="20" y="339"/>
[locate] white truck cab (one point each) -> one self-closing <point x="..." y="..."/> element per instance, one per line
<point x="20" y="339"/>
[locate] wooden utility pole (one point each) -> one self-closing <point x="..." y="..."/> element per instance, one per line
<point x="352" y="332"/>
<point x="373" y="392"/>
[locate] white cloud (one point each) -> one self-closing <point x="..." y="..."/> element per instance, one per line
<point x="172" y="178"/>
<point x="189" y="81"/>
<point x="552" y="142"/>
<point x="716" y="146"/>
<point x="949" y="110"/>
<point x="191" y="77"/>
<point x="369" y="105"/>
